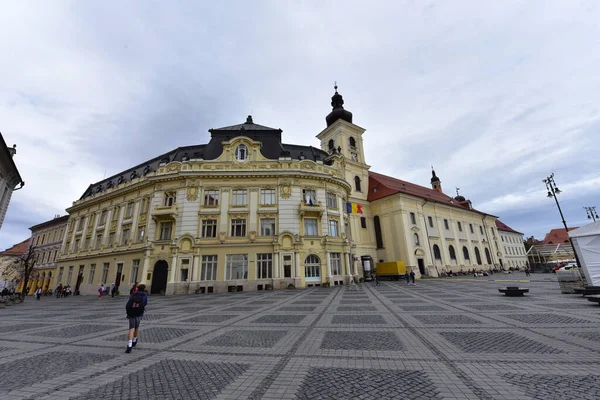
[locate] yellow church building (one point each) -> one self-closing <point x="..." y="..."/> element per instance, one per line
<point x="247" y="211"/>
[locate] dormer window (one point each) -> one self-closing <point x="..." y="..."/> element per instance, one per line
<point x="241" y="153"/>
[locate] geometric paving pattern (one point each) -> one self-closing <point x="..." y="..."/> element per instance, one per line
<point x="557" y="387"/>
<point x="343" y="340"/>
<point x="172" y="379"/>
<point x="496" y="342"/>
<point x="441" y="339"/>
<point x="351" y="383"/>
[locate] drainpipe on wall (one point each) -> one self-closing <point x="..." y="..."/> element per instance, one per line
<point x="428" y="241"/>
<point x="489" y="241"/>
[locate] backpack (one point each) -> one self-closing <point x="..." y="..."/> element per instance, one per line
<point x="135" y="306"/>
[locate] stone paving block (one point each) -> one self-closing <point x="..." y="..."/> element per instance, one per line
<point x="279" y="319"/>
<point x="557" y="387"/>
<point x="210" y="318"/>
<point x="74" y="331"/>
<point x="547" y="319"/>
<point x="497" y="342"/>
<point x="358" y="319"/>
<point x="410" y="308"/>
<point x="361" y="308"/>
<point x="453" y="319"/>
<point x="154" y="335"/>
<point x="360" y="340"/>
<point x="8" y="328"/>
<point x="242" y="308"/>
<point x="247" y="338"/>
<point x="297" y="308"/>
<point x="495" y="307"/>
<point x="366" y="384"/>
<point x="172" y="379"/>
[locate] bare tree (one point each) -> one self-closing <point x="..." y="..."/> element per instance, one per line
<point x="23" y="267"/>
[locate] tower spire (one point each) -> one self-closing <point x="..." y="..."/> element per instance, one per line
<point x="436" y="184"/>
<point x="338" y="112"/>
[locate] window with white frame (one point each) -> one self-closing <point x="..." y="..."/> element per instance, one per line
<point x="236" y="266"/>
<point x="77" y="241"/>
<point x="416" y="239"/>
<point x="129" y="210"/>
<point x="238" y="227"/>
<point x="331" y="200"/>
<point x="335" y="261"/>
<point x="170" y="199"/>
<point x="98" y="241"/>
<point x="239" y="197"/>
<point x="141" y="233"/>
<point x="79" y="225"/>
<point x="241" y="152"/>
<point x="92" y="273"/>
<point x="61" y="270"/>
<point x="309" y="197"/>
<point x="103" y="217"/>
<point x="105" y="269"/>
<point x="211" y="197"/>
<point x="311" y="227"/>
<point x="208" y="268"/>
<point x="267" y="197"/>
<point x="184" y="269"/>
<point x="166" y="229"/>
<point x="267" y="227"/>
<point x="125" y="235"/>
<point x="264" y="266"/>
<point x="115" y="213"/>
<point x="312" y="266"/>
<point x="333" y="228"/>
<point x="209" y="228"/>
<point x="145" y="204"/>
<point x="135" y="270"/>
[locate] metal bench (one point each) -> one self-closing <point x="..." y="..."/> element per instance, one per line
<point x="513" y="291"/>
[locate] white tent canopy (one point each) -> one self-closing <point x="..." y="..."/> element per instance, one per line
<point x="586" y="241"/>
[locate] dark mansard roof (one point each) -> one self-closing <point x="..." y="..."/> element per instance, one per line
<point x="272" y="148"/>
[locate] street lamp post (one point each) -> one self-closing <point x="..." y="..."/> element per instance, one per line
<point x="552" y="192"/>
<point x="591" y="213"/>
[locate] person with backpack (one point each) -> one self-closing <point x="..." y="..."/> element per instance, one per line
<point x="135" y="311"/>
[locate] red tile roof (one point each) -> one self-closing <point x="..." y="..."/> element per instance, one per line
<point x="386" y="186"/>
<point x="503" y="227"/>
<point x="557" y="236"/>
<point x="18" y="249"/>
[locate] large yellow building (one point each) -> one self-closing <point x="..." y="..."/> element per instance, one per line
<point x="246" y="212"/>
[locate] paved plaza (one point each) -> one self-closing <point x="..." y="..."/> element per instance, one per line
<point x="440" y="339"/>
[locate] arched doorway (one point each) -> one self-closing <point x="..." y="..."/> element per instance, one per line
<point x="312" y="269"/>
<point x="159" y="277"/>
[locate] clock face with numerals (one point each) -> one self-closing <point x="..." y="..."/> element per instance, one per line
<point x="354" y="157"/>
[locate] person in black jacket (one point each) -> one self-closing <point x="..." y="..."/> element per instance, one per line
<point x="135" y="308"/>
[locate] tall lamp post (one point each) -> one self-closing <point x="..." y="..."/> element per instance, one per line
<point x="552" y="192"/>
<point x="591" y="213"/>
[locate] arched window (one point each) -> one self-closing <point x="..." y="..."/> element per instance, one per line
<point x="466" y="253"/>
<point x="331" y="144"/>
<point x="241" y="153"/>
<point x="416" y="238"/>
<point x="352" y="142"/>
<point x="487" y="256"/>
<point x="312" y="267"/>
<point x="378" y="237"/>
<point x="357" y="184"/>
<point x="436" y="252"/>
<point x="478" y="256"/>
<point x="452" y="252"/>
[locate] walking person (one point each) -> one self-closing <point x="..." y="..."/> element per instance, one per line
<point x="135" y="311"/>
<point x="101" y="290"/>
<point x="377" y="280"/>
<point x="113" y="289"/>
<point x="38" y="293"/>
<point x="407" y="277"/>
<point x="527" y="270"/>
<point x="412" y="276"/>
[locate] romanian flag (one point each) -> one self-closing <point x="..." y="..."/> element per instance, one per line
<point x="353" y="208"/>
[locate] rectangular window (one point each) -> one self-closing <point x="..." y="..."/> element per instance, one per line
<point x="111" y="239"/>
<point x="211" y="197"/>
<point x="61" y="270"/>
<point x="209" y="228"/>
<point x="502" y="237"/>
<point x="459" y="226"/>
<point x="125" y="236"/>
<point x="310" y="227"/>
<point x="43" y="238"/>
<point x="264" y="266"/>
<point x="238" y="227"/>
<point x="84" y="244"/>
<point x="135" y="270"/>
<point x="471" y="228"/>
<point x="166" y="229"/>
<point x="77" y="240"/>
<point x="92" y="273"/>
<point x="170" y="199"/>
<point x="239" y="198"/>
<point x="98" y="241"/>
<point x="481" y="229"/>
<point x="333" y="229"/>
<point x="430" y="222"/>
<point x="287" y="266"/>
<point x="141" y="233"/>
<point x="145" y="204"/>
<point x="105" y="272"/>
<point x="129" y="210"/>
<point x="55" y="254"/>
<point x="309" y="197"/>
<point x="331" y="200"/>
<point x="336" y="266"/>
<point x="267" y="227"/>
<point x="446" y="225"/>
<point x="363" y="222"/>
<point x="115" y="215"/>
<point x="185" y="267"/>
<point x="209" y="268"/>
<point x="267" y="197"/>
<point x="413" y="218"/>
<point x="79" y="224"/>
<point x="236" y="266"/>
<point x="103" y="217"/>
<point x="70" y="275"/>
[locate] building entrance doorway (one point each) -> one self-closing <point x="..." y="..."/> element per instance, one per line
<point x="421" y="265"/>
<point x="119" y="274"/>
<point x="159" y="277"/>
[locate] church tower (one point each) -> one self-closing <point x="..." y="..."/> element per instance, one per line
<point x="436" y="184"/>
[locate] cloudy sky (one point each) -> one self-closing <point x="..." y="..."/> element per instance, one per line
<point x="496" y="95"/>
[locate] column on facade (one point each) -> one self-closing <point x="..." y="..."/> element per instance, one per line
<point x="196" y="268"/>
<point x="145" y="267"/>
<point x="133" y="232"/>
<point x="119" y="225"/>
<point x="173" y="268"/>
<point x="327" y="255"/>
<point x="348" y="264"/>
<point x="253" y="208"/>
<point x="297" y="260"/>
<point x="107" y="227"/>
<point x="276" y="272"/>
<point x="224" y="216"/>
<point x="98" y="214"/>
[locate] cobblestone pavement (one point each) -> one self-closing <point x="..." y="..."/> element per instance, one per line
<point x="440" y="339"/>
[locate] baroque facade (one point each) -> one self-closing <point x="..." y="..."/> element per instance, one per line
<point x="247" y="211"/>
<point x="9" y="176"/>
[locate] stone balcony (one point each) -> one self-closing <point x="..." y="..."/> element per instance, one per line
<point x="311" y="209"/>
<point x="165" y="213"/>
